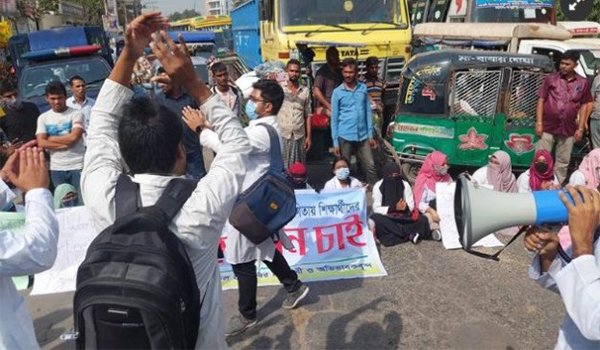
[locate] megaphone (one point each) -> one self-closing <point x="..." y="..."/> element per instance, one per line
<point x="480" y="211"/>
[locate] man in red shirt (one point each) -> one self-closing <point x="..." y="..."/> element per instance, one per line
<point x="562" y="97"/>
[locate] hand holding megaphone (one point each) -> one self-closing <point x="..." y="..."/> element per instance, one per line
<point x="583" y="217"/>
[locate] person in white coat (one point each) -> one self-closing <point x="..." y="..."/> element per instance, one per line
<point x="342" y="178"/>
<point x="28" y="252"/>
<point x="148" y="139"/>
<point x="574" y="274"/>
<point x="241" y="253"/>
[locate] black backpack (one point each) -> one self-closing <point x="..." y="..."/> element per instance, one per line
<point x="136" y="288"/>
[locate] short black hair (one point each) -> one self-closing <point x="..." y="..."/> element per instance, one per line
<point x="149" y="136"/>
<point x="337" y="159"/>
<point x="371" y="61"/>
<point x="293" y="61"/>
<point x="75" y="77"/>
<point x="218" y="67"/>
<point x="347" y="62"/>
<point x="271" y="92"/>
<point x="56" y="88"/>
<point x="161" y="70"/>
<point x="8" y="85"/>
<point x="333" y="50"/>
<point x="570" y="55"/>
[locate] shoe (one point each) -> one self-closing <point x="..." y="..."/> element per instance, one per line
<point x="436" y="235"/>
<point x="238" y="324"/>
<point x="415" y="238"/>
<point x="292" y="299"/>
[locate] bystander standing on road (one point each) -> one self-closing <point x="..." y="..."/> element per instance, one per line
<point x="79" y="101"/>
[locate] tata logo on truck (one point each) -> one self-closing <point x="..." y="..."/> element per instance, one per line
<point x="352" y="52"/>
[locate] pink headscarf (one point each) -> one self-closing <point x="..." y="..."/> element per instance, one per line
<point x="501" y="176"/>
<point x="427" y="176"/>
<point x="588" y="168"/>
<point x="535" y="178"/>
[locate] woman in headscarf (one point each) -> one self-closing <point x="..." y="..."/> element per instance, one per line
<point x="393" y="203"/>
<point x="497" y="174"/>
<point x="65" y="196"/>
<point x="434" y="170"/>
<point x="540" y="175"/>
<point x="588" y="174"/>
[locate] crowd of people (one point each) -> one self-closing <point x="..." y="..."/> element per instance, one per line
<point x="191" y="130"/>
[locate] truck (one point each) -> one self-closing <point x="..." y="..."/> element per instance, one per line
<point x="59" y="54"/>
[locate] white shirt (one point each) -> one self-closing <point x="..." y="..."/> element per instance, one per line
<point x="230" y="99"/>
<point x="238" y="249"/>
<point x="200" y="222"/>
<point x="426" y="198"/>
<point x="578" y="284"/>
<point x="26" y="253"/>
<point x="378" y="198"/>
<point x="523" y="182"/>
<point x="334" y="184"/>
<point x="577" y="178"/>
<point x="85" y="108"/>
<point x="61" y="124"/>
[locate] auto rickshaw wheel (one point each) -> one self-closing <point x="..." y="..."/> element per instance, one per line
<point x="410" y="171"/>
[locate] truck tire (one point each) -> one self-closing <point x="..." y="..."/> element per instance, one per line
<point x="410" y="171"/>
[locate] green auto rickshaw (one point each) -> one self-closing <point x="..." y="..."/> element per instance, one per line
<point x="467" y="104"/>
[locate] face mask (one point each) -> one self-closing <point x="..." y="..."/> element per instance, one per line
<point x="342" y="174"/>
<point x="442" y="170"/>
<point x="251" y="110"/>
<point x="71" y="202"/>
<point x="13" y="103"/>
<point x="541" y="167"/>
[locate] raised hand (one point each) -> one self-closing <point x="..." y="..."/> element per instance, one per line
<point x="32" y="171"/>
<point x="139" y="32"/>
<point x="194" y="119"/>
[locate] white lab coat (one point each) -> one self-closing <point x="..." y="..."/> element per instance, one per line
<point x="578" y="284"/>
<point x="523" y="182"/>
<point x="200" y="222"/>
<point x="238" y="249"/>
<point x="378" y="208"/>
<point x="334" y="184"/>
<point x="21" y="254"/>
<point x="577" y="178"/>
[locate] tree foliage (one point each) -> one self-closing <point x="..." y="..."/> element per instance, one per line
<point x="93" y="10"/>
<point x="593" y="16"/>
<point x="189" y="13"/>
<point x="36" y="9"/>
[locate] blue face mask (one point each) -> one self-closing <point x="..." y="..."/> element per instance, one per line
<point x="342" y="174"/>
<point x="71" y="202"/>
<point x="251" y="110"/>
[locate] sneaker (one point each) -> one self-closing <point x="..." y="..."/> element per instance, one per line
<point x="238" y="324"/>
<point x="292" y="299"/>
<point x="436" y="235"/>
<point x="415" y="238"/>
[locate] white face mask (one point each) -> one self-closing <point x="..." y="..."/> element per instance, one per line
<point x="442" y="170"/>
<point x="342" y="174"/>
<point x="13" y="103"/>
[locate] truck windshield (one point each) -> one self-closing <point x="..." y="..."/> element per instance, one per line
<point x="336" y="12"/>
<point x="512" y="15"/>
<point x="34" y="79"/>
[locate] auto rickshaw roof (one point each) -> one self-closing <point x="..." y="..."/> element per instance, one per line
<point x="435" y="66"/>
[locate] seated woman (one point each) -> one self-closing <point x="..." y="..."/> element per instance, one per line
<point x="65" y="196"/>
<point x="497" y="174"/>
<point x="540" y="175"/>
<point x="299" y="177"/>
<point x="393" y="203"/>
<point x="588" y="174"/>
<point x="434" y="170"/>
<point x="342" y="178"/>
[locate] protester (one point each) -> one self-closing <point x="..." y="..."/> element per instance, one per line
<point x="241" y="253"/>
<point x="497" y="174"/>
<point x="298" y="175"/>
<point x="434" y="170"/>
<point x="562" y="97"/>
<point x="294" y="117"/>
<point x="352" y="121"/>
<point x="79" y="101"/>
<point x="60" y="131"/>
<point x="65" y="196"/>
<point x="231" y="95"/>
<point x="393" y="205"/>
<point x="175" y="98"/>
<point x="376" y="89"/>
<point x="20" y="119"/>
<point x="595" y="115"/>
<point x="327" y="78"/>
<point x="588" y="174"/>
<point x="540" y="175"/>
<point x="342" y="178"/>
<point x="148" y="138"/>
<point x="25" y="253"/>
<point x="576" y="279"/>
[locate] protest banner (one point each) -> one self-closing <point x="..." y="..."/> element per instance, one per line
<point x="331" y="239"/>
<point x="330" y="235"/>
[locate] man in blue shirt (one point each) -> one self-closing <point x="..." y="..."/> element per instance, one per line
<point x="352" y="120"/>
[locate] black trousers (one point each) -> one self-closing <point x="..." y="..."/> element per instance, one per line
<point x="395" y="230"/>
<point x="247" y="282"/>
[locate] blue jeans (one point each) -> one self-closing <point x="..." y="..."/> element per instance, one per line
<point x="195" y="165"/>
<point x="71" y="177"/>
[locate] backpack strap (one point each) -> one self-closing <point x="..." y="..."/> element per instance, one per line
<point x="276" y="158"/>
<point x="126" y="196"/>
<point x="174" y="196"/>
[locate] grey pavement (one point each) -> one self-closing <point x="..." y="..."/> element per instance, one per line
<point x="431" y="299"/>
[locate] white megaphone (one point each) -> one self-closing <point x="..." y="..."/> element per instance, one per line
<point x="480" y="211"/>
